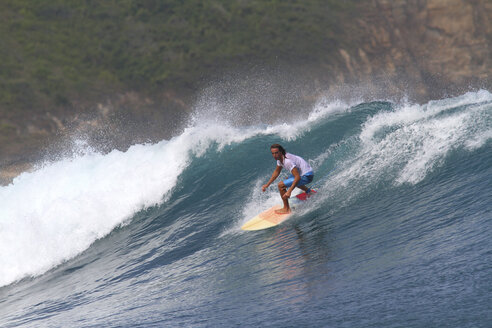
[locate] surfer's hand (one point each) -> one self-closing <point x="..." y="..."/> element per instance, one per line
<point x="264" y="187"/>
<point x="286" y="195"/>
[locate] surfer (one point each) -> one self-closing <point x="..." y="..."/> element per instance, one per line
<point x="301" y="174"/>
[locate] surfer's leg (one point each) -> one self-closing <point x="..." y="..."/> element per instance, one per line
<point x="305" y="179"/>
<point x="304" y="188"/>
<point x="283" y="189"/>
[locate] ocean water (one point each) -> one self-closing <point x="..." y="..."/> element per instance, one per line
<point x="399" y="234"/>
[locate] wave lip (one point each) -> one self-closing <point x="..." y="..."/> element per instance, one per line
<point x="413" y="140"/>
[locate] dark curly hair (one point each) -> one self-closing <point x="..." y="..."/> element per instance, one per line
<point x="279" y="147"/>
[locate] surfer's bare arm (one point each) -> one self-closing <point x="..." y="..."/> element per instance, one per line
<point x="275" y="175"/>
<point x="297" y="178"/>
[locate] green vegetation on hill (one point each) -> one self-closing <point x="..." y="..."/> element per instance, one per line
<point x="53" y="52"/>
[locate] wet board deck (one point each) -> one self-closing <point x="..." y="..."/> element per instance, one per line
<point x="269" y="218"/>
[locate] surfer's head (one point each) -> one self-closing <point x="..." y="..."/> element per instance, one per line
<point x="279" y="147"/>
<point x="277" y="150"/>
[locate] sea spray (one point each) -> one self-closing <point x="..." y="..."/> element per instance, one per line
<point x="54" y="213"/>
<point x="57" y="211"/>
<point x="405" y="145"/>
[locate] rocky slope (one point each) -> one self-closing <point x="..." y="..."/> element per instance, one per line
<point x="427" y="47"/>
<point x="422" y="49"/>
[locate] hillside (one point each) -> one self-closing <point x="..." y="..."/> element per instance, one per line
<point x="127" y="71"/>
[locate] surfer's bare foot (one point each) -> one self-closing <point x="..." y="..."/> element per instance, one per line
<point x="283" y="211"/>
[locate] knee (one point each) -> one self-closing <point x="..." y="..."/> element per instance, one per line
<point x="281" y="185"/>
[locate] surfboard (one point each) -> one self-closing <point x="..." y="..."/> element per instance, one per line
<point x="269" y="218"/>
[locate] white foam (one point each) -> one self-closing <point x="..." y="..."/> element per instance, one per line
<point x="404" y="145"/>
<point x="57" y="211"/>
<point x="54" y="213"/>
<point x="412" y="113"/>
<point x="325" y="108"/>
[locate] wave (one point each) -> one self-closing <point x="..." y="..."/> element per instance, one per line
<point x="56" y="212"/>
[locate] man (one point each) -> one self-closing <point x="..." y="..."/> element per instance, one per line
<point x="301" y="174"/>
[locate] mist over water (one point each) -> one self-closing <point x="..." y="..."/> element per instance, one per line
<point x="151" y="236"/>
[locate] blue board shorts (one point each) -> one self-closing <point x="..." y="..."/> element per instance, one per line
<point x="305" y="179"/>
